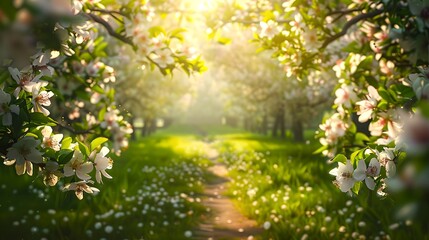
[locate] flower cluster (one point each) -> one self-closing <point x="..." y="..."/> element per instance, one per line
<point x="58" y="107"/>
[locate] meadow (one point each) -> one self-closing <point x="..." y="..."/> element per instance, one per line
<point x="157" y="188"/>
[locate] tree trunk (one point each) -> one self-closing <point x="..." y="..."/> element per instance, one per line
<point x="145" y="128"/>
<point x="264" y="125"/>
<point x="298" y="130"/>
<point x="152" y="126"/>
<point x="275" y="126"/>
<point x="282" y="123"/>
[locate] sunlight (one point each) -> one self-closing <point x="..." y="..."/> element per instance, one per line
<point x="205" y="5"/>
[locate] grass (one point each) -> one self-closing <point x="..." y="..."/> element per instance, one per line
<point x="159" y="179"/>
<point x="282" y="184"/>
<point x="153" y="195"/>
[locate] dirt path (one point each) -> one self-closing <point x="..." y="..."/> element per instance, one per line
<point x="223" y="221"/>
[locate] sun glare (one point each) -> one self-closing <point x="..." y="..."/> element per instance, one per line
<point x="205" y="5"/>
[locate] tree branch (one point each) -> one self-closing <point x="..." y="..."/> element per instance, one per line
<point x="350" y="23"/>
<point x="344" y="11"/>
<point x="72" y="130"/>
<point x="110" y="30"/>
<point x="110" y="12"/>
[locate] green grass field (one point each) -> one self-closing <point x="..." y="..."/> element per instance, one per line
<point x="157" y="184"/>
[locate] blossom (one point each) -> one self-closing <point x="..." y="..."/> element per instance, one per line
<point x="386" y="159"/>
<point x="414" y="137"/>
<point x="363" y="173"/>
<point x="6" y="109"/>
<point x="41" y="60"/>
<point x="101" y="163"/>
<point x="24" y="153"/>
<point x="366" y="107"/>
<point x="269" y="29"/>
<point x="311" y="42"/>
<point x="41" y="99"/>
<point x="51" y="141"/>
<point x="111" y="119"/>
<point x="77" y="166"/>
<point x="344" y="176"/>
<point x="420" y="83"/>
<point x="334" y="128"/>
<point x="394" y="126"/>
<point x="25" y="80"/>
<point x="80" y="187"/>
<point x="345" y="96"/>
<point x="296" y="23"/>
<point x="51" y="174"/>
<point x="163" y="58"/>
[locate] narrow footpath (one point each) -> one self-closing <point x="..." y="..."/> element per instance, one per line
<point x="223" y="220"/>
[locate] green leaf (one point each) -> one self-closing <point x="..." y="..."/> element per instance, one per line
<point x="385" y="95"/>
<point x="101" y="114"/>
<point x="65" y="156"/>
<point x="155" y="31"/>
<point x="356" y="187"/>
<point x="83" y="148"/>
<point x="65" y="144"/>
<point x="97" y="142"/>
<point x="321" y="149"/>
<point x="38" y="119"/>
<point x="340" y="158"/>
<point x="354" y="155"/>
<point x="30" y="134"/>
<point x="424" y="108"/>
<point x="223" y="40"/>
<point x="361" y="138"/>
<point x="97" y="89"/>
<point x="177" y="33"/>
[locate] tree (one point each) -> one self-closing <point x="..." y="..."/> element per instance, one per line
<point x="58" y="106"/>
<point x="378" y="50"/>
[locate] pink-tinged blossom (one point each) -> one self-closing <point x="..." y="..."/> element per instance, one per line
<point x="6" y="109"/>
<point x="24" y="153"/>
<point x="345" y="96"/>
<point x="101" y="163"/>
<point x="158" y="42"/>
<point x="387" y="160"/>
<point x="163" y="58"/>
<point x="111" y="118"/>
<point x="269" y="29"/>
<point x="311" y="42"/>
<point x="334" y="128"/>
<point x="368" y="174"/>
<point x="414" y="137"/>
<point x="26" y="80"/>
<point x="93" y="68"/>
<point x="49" y="140"/>
<point x="344" y="176"/>
<point x="366" y="107"/>
<point x="78" y="166"/>
<point x="80" y="187"/>
<point x="394" y="127"/>
<point x="40" y="100"/>
<point x="41" y="60"/>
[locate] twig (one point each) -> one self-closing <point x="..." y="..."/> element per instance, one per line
<point x="72" y="130"/>
<point x="350" y="23"/>
<point x="110" y="30"/>
<point x="344" y="11"/>
<point x="110" y="12"/>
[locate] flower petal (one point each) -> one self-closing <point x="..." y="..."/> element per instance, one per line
<point x="370" y="183"/>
